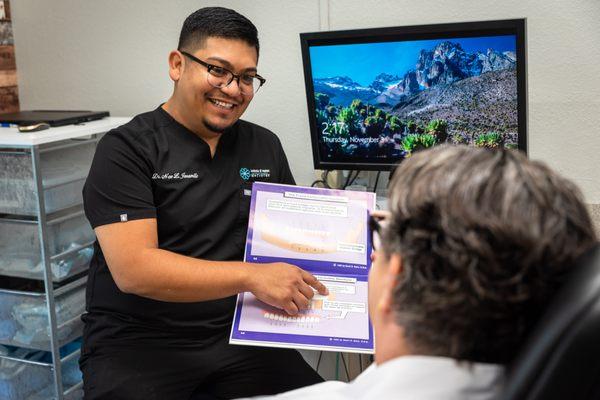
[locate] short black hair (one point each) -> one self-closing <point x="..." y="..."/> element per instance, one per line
<point x="216" y="22"/>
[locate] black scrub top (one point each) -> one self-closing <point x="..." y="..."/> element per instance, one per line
<point x="154" y="167"/>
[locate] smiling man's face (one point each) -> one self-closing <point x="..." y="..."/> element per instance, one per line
<point x="208" y="108"/>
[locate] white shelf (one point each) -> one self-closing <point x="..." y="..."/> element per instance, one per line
<point x="12" y="137"/>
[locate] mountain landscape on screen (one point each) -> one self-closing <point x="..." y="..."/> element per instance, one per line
<point x="448" y="94"/>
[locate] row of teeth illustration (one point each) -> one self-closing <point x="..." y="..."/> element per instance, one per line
<point x="287" y="318"/>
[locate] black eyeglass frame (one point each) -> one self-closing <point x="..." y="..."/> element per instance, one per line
<point x="237" y="77"/>
<point x="375" y="227"/>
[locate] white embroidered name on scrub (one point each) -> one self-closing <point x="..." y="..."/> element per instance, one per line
<point x="175" y="175"/>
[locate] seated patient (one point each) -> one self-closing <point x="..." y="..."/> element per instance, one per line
<point x="476" y="243"/>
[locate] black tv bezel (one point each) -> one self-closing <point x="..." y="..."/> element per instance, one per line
<point x="515" y="27"/>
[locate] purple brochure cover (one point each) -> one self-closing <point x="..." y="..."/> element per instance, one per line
<point x="325" y="232"/>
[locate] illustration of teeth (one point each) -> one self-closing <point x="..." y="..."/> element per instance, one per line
<point x="299" y="319"/>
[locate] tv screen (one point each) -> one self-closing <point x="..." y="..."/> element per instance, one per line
<point x="375" y="96"/>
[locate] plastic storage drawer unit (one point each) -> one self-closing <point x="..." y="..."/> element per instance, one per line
<point x="64" y="166"/>
<point x="27" y="375"/>
<point x="45" y="247"/>
<point x="24" y="316"/>
<point x="70" y="240"/>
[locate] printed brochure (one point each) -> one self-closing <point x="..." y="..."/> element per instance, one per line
<point x="324" y="232"/>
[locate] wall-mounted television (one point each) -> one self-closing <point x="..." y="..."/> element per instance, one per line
<point x="375" y="96"/>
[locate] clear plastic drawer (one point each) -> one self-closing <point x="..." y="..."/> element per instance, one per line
<point x="70" y="240"/>
<point x="28" y="375"/>
<point x="64" y="167"/>
<point x="24" y="316"/>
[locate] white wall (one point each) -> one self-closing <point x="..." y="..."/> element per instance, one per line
<point x="113" y="55"/>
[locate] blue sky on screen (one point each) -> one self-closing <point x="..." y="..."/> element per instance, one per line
<point x="363" y="62"/>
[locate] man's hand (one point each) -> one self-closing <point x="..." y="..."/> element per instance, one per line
<point x="284" y="286"/>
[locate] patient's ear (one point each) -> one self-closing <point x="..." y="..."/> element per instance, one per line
<point x="393" y="271"/>
<point x="395" y="266"/>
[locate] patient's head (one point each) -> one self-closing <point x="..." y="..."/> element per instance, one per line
<point x="476" y="244"/>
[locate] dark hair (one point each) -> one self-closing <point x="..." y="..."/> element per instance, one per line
<point x="486" y="237"/>
<point x="216" y="22"/>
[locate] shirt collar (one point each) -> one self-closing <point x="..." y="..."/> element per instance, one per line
<point x="428" y="377"/>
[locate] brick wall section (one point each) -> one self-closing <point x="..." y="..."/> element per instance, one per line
<point x="9" y="95"/>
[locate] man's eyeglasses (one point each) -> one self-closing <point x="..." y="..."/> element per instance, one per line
<point x="220" y="77"/>
<point x="377" y="222"/>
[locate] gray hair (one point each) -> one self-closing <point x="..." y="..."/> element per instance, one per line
<point x="485" y="238"/>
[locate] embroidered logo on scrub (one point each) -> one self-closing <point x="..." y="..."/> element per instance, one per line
<point x="247" y="173"/>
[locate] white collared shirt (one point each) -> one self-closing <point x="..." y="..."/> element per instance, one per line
<point x="408" y="378"/>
